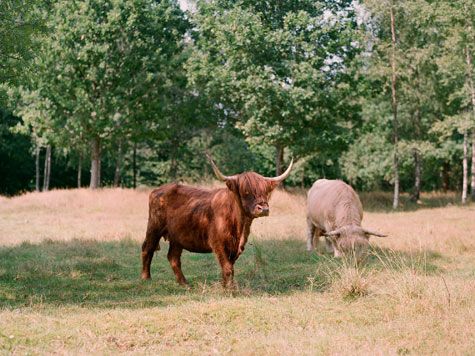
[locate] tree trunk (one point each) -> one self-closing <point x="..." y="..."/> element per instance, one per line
<point x="445" y="177"/>
<point x="279" y="158"/>
<point x="473" y="166"/>
<point x="47" y="169"/>
<point x="95" y="163"/>
<point x="465" y="167"/>
<point x="118" y="165"/>
<point x="37" y="166"/>
<point x="79" y="170"/>
<point x="416" y="194"/>
<point x="173" y="161"/>
<point x="472" y="94"/>
<point x="134" y="166"/>
<point x="394" y="106"/>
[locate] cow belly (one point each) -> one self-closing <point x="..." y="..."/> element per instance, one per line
<point x="192" y="243"/>
<point x="198" y="250"/>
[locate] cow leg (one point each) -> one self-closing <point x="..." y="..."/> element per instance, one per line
<point x="227" y="269"/>
<point x="329" y="245"/>
<point x="149" y="246"/>
<point x="310" y="234"/>
<point x="174" y="257"/>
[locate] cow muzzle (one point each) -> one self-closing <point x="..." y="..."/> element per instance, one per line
<point x="261" y="210"/>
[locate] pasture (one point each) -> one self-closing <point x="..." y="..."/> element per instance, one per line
<point x="70" y="268"/>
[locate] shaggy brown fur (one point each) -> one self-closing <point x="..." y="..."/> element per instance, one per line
<point x="204" y="221"/>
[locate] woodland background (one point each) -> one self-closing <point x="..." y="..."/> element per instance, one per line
<point x="131" y="93"/>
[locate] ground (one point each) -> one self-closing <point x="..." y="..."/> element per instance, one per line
<point x="70" y="267"/>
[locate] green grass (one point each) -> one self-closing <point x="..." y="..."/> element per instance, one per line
<point x="106" y="274"/>
<point x="416" y="294"/>
<point x="85" y="296"/>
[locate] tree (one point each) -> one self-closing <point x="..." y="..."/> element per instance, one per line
<point x="457" y="19"/>
<point x="101" y="66"/>
<point x="281" y="74"/>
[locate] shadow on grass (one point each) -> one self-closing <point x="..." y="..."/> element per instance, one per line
<point x="106" y="274"/>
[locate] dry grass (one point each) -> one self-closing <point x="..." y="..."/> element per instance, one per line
<point x="108" y="214"/>
<point x="82" y="295"/>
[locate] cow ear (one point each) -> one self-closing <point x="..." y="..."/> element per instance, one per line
<point x="272" y="185"/>
<point x="232" y="185"/>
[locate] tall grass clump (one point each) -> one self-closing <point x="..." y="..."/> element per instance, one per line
<point x="403" y="276"/>
<point x="343" y="277"/>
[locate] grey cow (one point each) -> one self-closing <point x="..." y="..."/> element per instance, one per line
<point x="334" y="210"/>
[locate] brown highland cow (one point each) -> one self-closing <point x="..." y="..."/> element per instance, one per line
<point x="204" y="221"/>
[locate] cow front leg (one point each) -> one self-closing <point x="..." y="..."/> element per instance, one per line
<point x="174" y="257"/>
<point x="329" y="246"/>
<point x="227" y="269"/>
<point x="149" y="246"/>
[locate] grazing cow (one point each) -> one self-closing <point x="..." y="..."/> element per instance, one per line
<point x="203" y="221"/>
<point x="334" y="210"/>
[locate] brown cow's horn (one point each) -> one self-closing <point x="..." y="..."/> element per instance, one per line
<point x="369" y="232"/>
<point x="283" y="175"/>
<point x="216" y="170"/>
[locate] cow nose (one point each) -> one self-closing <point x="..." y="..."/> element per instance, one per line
<point x="262" y="210"/>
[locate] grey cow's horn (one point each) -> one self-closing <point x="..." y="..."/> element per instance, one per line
<point x="283" y="175"/>
<point x="216" y="170"/>
<point x="334" y="232"/>
<point x="369" y="232"/>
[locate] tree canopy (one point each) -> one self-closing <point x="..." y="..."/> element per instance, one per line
<point x="379" y="93"/>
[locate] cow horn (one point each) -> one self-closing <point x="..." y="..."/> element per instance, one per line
<point x="334" y="232"/>
<point x="283" y="175"/>
<point x="216" y="170"/>
<point x="369" y="232"/>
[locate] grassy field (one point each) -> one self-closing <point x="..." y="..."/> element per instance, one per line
<point x="70" y="266"/>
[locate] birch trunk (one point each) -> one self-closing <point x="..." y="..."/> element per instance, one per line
<point x="37" y="166"/>
<point x="47" y="169"/>
<point x="394" y="106"/>
<point x="472" y="95"/>
<point x="465" y="167"/>
<point x="95" y="163"/>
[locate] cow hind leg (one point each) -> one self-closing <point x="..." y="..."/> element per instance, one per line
<point x="149" y="246"/>
<point x="174" y="257"/>
<point x="310" y="234"/>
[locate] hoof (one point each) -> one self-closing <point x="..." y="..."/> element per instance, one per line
<point x="184" y="283"/>
<point x="145" y="276"/>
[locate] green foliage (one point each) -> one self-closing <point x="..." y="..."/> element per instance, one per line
<point x="15" y="152"/>
<point x="281" y="75"/>
<point x="242" y="80"/>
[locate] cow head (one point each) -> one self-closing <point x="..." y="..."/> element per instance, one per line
<point x="252" y="190"/>
<point x="351" y="240"/>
